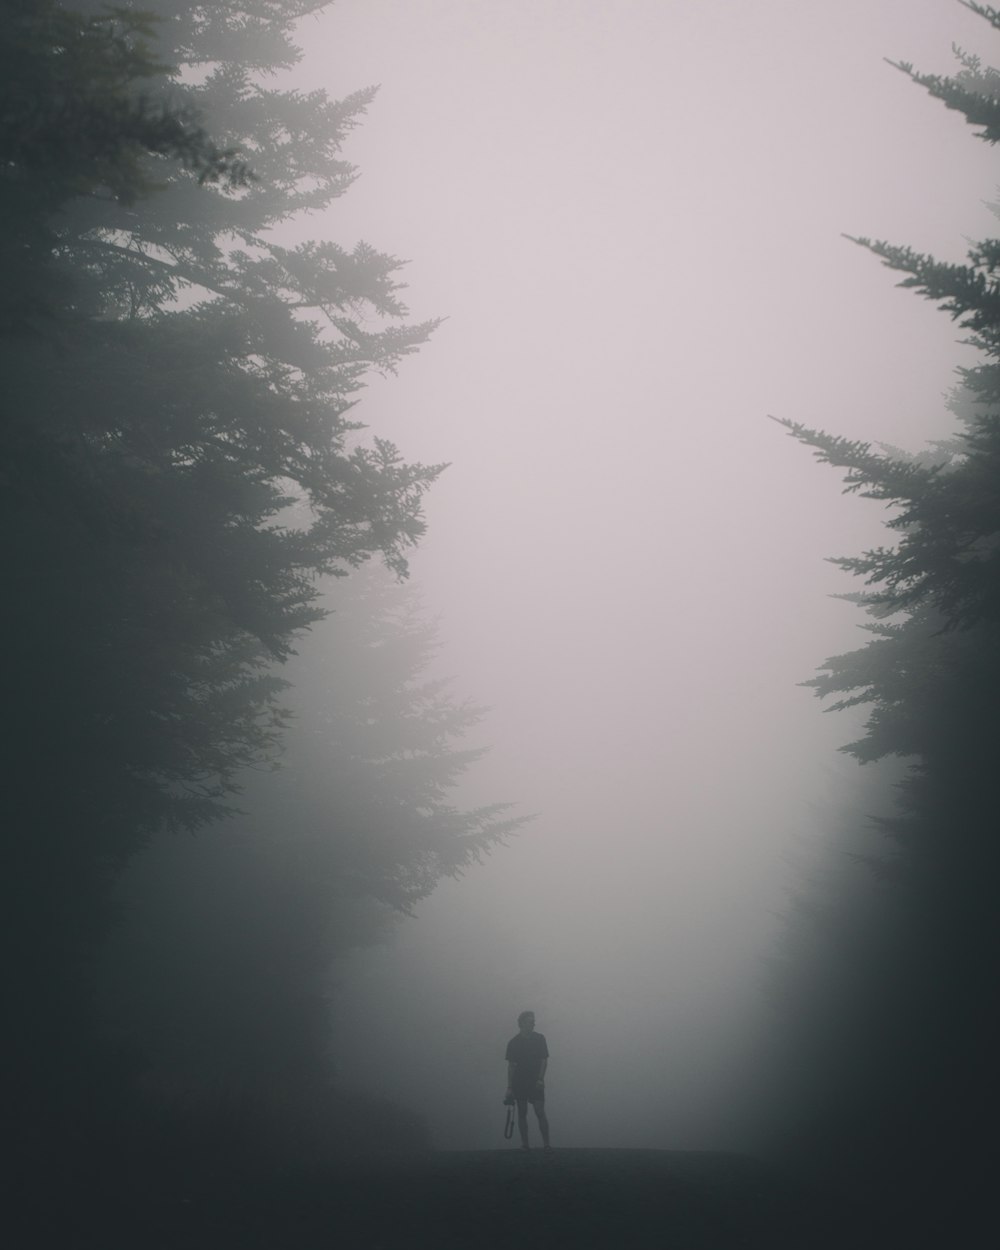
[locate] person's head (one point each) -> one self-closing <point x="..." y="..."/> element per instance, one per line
<point x="526" y="1021"/>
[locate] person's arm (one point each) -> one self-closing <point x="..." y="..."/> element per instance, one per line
<point x="541" y="1070"/>
<point x="510" y="1077"/>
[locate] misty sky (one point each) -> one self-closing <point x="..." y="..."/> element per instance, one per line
<point x="631" y="213"/>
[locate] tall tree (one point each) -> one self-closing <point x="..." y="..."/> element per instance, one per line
<point x="919" y="1084"/>
<point x="173" y="382"/>
<point x="221" y="970"/>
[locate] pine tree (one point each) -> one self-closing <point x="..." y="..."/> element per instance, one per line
<point x="919" y="1084"/>
<point x="174" y="383"/>
<point x="78" y="123"/>
<point x="221" y="972"/>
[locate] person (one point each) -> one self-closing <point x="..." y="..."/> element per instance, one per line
<point x="527" y="1059"/>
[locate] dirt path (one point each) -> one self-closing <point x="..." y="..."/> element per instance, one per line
<point x="493" y="1200"/>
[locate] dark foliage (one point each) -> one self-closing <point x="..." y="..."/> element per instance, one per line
<point x="909" y="1105"/>
<point x="220" y="972"/>
<point x="181" y="465"/>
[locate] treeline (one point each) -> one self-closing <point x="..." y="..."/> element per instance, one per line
<point x="889" y="985"/>
<point x="186" y="493"/>
<point x="218" y="974"/>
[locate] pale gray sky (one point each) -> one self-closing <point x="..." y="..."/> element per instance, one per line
<point x="631" y="214"/>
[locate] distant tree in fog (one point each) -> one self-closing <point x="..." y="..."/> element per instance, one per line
<point x="912" y="1098"/>
<point x="222" y="968"/>
<point x="375" y="750"/>
<point x="174" y="380"/>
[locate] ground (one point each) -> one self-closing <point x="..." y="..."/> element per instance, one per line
<point x="560" y="1200"/>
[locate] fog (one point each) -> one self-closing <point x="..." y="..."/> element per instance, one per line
<point x="632" y="217"/>
<point x="418" y="582"/>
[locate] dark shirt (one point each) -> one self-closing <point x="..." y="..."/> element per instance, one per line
<point x="526" y="1054"/>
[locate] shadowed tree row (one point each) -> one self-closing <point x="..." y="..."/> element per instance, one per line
<point x="183" y="473"/>
<point x="901" y="1092"/>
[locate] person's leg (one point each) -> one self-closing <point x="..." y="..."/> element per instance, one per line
<point x="522" y="1121"/>
<point x="543" y="1120"/>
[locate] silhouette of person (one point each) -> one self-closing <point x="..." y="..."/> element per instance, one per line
<point x="527" y="1058"/>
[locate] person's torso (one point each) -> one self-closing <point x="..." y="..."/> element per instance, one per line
<point x="527" y="1053"/>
